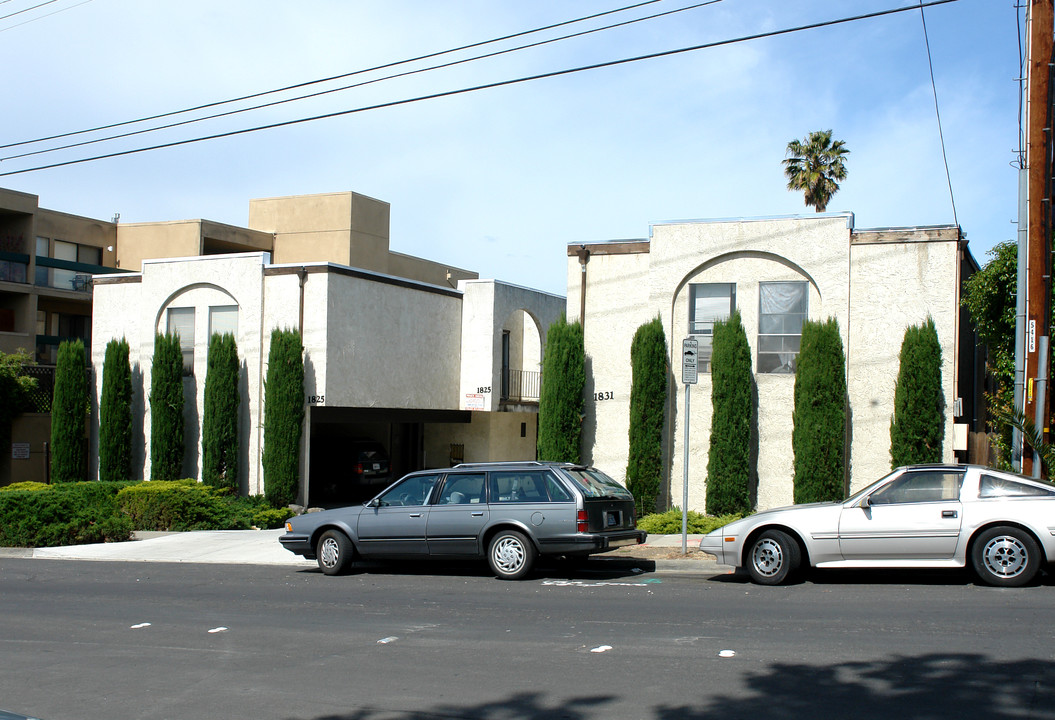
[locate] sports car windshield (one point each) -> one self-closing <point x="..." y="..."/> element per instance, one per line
<point x="596" y="484"/>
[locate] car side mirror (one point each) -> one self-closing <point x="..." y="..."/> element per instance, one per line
<point x="374" y="503"/>
<point x="866" y="502"/>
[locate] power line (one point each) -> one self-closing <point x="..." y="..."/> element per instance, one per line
<point x="488" y="86"/>
<point x="25" y="10"/>
<point x="307" y="83"/>
<point x="937" y="114"/>
<point x="41" y="17"/>
<point x="357" y="85"/>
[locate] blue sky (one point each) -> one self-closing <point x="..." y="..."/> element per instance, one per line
<point x="500" y="181"/>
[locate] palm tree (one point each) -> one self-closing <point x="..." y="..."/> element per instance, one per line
<point x="814" y="166"/>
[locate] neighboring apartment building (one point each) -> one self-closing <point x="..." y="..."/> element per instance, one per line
<point x="776" y="272"/>
<point x="422" y="357"/>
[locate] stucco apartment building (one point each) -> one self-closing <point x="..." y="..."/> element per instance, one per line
<point x="776" y="272"/>
<point x="427" y="359"/>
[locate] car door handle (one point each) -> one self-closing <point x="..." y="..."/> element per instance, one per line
<point x="415" y="514"/>
<point x="948" y="513"/>
<point x="477" y="514"/>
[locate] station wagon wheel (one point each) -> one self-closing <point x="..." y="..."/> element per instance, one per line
<point x="511" y="555"/>
<point x="772" y="557"/>
<point x="1005" y="557"/>
<point x="334" y="552"/>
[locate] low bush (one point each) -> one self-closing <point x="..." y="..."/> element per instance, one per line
<point x="26" y="485"/>
<point x="669" y="523"/>
<point x="64" y="514"/>
<point x="178" y="505"/>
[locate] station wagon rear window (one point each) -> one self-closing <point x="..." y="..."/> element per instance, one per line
<point x="595" y="484"/>
<point x="526" y="486"/>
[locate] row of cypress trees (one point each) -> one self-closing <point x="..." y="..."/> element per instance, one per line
<point x="284" y="387"/>
<point x="820" y="429"/>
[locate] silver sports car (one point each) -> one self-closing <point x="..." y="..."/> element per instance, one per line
<point x="927" y="516"/>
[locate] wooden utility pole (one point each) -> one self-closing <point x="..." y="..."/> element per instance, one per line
<point x="1040" y="33"/>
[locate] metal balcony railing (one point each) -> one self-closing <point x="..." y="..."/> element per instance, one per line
<point x="520" y="385"/>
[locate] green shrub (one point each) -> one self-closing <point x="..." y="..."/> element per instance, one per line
<point x="115" y="414"/>
<point x="561" y="401"/>
<point x="729" y="454"/>
<point x="219" y="427"/>
<point x="166" y="409"/>
<point x="818" y="435"/>
<point x="25" y="485"/>
<point x="64" y="514"/>
<point x="669" y="523"/>
<point x="283" y="417"/>
<point x="173" y="505"/>
<point x="917" y="429"/>
<point x="648" y="403"/>
<point x="69" y="411"/>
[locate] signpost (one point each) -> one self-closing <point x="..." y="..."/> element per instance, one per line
<point x="690" y="353"/>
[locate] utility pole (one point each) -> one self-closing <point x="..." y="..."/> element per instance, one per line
<point x="1040" y="33"/>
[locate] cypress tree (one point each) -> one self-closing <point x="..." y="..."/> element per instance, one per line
<point x="561" y="401"/>
<point x="115" y="414"/>
<point x="219" y="430"/>
<point x="166" y="409"/>
<point x="729" y="458"/>
<point x="917" y="428"/>
<point x="69" y="409"/>
<point x="283" y="417"/>
<point x="648" y="401"/>
<point x="818" y="437"/>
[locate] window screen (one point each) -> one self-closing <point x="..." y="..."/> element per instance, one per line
<point x="709" y="303"/>
<point x="181" y="322"/>
<point x="781" y="312"/>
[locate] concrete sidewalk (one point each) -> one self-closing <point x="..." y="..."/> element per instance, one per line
<point x="261" y="547"/>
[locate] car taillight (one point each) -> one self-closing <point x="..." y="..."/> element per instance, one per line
<point x="580" y="521"/>
<point x="359" y="468"/>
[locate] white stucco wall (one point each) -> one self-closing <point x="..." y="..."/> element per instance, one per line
<point x="489" y="308"/>
<point x="138" y="310"/>
<point x="873" y="290"/>
<point x="894" y="286"/>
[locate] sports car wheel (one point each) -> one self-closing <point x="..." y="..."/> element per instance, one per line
<point x="1006" y="557"/>
<point x="773" y="556"/>
<point x="511" y="555"/>
<point x="334" y="552"/>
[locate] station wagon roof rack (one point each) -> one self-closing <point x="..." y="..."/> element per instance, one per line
<point x="533" y="463"/>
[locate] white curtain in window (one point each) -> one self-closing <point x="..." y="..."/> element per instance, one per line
<point x="782" y="298"/>
<point x="223" y="319"/>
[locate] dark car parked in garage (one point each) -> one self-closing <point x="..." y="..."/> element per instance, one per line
<point x="508" y="512"/>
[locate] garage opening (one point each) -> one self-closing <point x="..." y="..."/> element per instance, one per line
<point x="354" y="453"/>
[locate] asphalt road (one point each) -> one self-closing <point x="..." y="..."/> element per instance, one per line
<point x="87" y="640"/>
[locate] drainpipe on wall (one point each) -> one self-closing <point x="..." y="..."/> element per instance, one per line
<point x="584" y="257"/>
<point x="303" y="275"/>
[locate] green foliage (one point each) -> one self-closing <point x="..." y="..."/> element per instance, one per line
<point x="917" y="429"/>
<point x="25" y="485"/>
<point x="283" y="417"/>
<point x="69" y="412"/>
<point x="115" y="414"/>
<point x="219" y="432"/>
<point x="67" y="514"/>
<point x="15" y="389"/>
<point x="669" y="523"/>
<point x="648" y="403"/>
<point x="818" y="437"/>
<point x="180" y="505"/>
<point x="166" y="409"/>
<point x="729" y="457"/>
<point x="814" y="166"/>
<point x="989" y="296"/>
<point x="561" y="397"/>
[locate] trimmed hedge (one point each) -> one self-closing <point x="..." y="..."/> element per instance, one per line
<point x="669" y="523"/>
<point x="38" y="515"/>
<point x="179" y="505"/>
<point x="64" y="514"/>
<point x="648" y="404"/>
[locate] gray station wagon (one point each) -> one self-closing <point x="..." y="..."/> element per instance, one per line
<point x="509" y="512"/>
